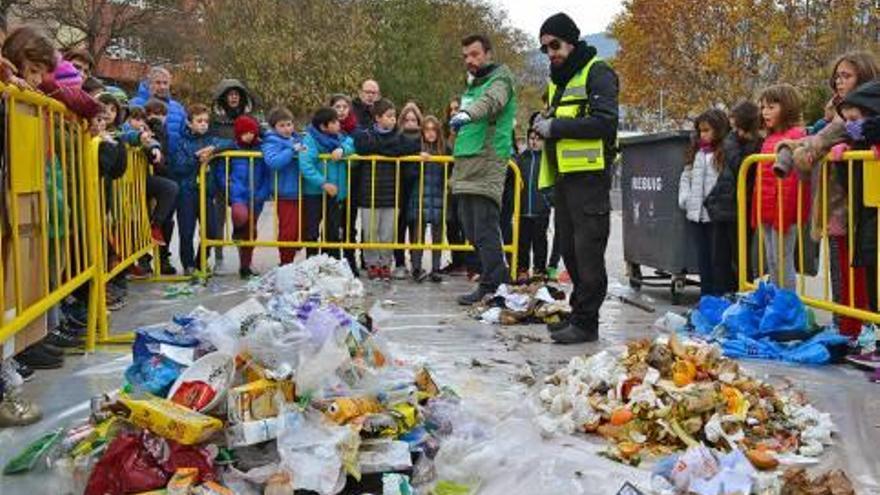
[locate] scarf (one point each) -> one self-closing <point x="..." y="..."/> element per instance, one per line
<point x="481" y="72"/>
<point x="576" y="61"/>
<point x="350" y="123"/>
<point x="706" y="146"/>
<point x="326" y="142"/>
<point x="382" y="131"/>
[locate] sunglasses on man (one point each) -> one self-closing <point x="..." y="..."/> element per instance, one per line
<point x="553" y="45"/>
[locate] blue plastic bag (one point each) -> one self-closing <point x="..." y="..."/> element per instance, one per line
<point x="784" y="313"/>
<point x="743" y="347"/>
<point x="816" y="350"/>
<point x="155" y="375"/>
<point x="708" y="314"/>
<point x="149" y="342"/>
<point x="743" y="318"/>
<point x="158" y="354"/>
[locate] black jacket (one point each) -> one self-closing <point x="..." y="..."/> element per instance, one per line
<point x="600" y="123"/>
<point x="867" y="98"/>
<point x="533" y="203"/>
<point x="363" y="113"/>
<point x="386" y="176"/>
<point x="161" y="136"/>
<point x="112" y="164"/>
<point x="721" y="202"/>
<point x="865" y="217"/>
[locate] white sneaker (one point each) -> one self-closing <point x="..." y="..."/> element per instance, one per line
<point x="400" y="273"/>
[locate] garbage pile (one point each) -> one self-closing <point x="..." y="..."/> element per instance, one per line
<point x="522" y="304"/>
<point x="282" y="393"/>
<point x="655" y="398"/>
<point x="702" y="471"/>
<point x="768" y="323"/>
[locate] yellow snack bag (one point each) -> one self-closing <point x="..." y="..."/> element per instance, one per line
<point x="169" y="420"/>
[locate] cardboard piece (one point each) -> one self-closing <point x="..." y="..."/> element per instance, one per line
<point x="31" y="270"/>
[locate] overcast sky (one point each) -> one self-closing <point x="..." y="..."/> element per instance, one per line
<point x="591" y="16"/>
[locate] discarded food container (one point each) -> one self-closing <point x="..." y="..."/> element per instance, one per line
<point x="216" y="370"/>
<point x="258" y="400"/>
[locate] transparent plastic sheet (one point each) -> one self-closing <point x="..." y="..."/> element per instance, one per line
<point x="277" y="344"/>
<point x="249" y="482"/>
<point x="316" y="453"/>
<point x="500" y="465"/>
<point x="317" y="371"/>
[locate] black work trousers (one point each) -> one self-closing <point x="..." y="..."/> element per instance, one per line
<point x="481" y="222"/>
<point x="582" y="231"/>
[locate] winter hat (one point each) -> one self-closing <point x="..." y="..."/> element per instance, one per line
<point x="244" y="125"/>
<point x="67" y="75"/>
<point x="561" y="26"/>
<point x="866" y="97"/>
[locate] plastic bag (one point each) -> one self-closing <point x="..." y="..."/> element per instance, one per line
<point x="126" y="467"/>
<point x="396" y="484"/>
<point x="696" y="463"/>
<point x="154" y="375"/>
<point x="671" y="322"/>
<point x="709" y="313"/>
<point x="784" y="313"/>
<point x="380" y="456"/>
<point x="175" y="345"/>
<point x="223" y="333"/>
<point x="278" y="345"/>
<point x="27" y="459"/>
<point x="314" y="451"/>
<point x="744" y="317"/>
<point x="318" y="371"/>
<point x="820" y="349"/>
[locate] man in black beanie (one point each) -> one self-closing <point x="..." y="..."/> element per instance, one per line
<point x="580" y="131"/>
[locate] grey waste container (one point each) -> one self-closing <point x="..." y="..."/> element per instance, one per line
<point x="655" y="232"/>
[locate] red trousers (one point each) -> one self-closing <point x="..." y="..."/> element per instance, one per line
<point x="850" y="327"/>
<point x="244" y="227"/>
<point x="288" y="227"/>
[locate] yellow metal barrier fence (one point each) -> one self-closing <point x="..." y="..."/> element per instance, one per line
<point x="49" y="233"/>
<point x="864" y="196"/>
<point x="126" y="238"/>
<point x="224" y="160"/>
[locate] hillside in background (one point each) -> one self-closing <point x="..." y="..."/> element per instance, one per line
<point x="606" y="45"/>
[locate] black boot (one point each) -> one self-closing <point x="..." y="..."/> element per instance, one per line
<point x="559" y="325"/>
<point x="573" y="334"/>
<point x="474" y="297"/>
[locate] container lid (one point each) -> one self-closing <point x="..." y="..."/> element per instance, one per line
<point x="656" y="137"/>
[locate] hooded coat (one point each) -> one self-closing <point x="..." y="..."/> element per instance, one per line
<point x="867" y="98"/>
<point x="222" y="117"/>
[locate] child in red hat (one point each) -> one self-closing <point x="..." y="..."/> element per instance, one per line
<point x="245" y="183"/>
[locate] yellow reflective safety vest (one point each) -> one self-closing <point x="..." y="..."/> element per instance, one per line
<point x="572" y="155"/>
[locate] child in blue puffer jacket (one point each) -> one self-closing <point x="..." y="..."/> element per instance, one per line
<point x="247" y="188"/>
<point x="196" y="146"/>
<point x="324" y="136"/>
<point x="280" y="148"/>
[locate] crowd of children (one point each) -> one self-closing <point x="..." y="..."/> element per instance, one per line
<point x="785" y="208"/>
<point x="318" y="199"/>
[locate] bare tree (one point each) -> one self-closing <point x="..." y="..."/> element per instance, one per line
<point x="96" y="24"/>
